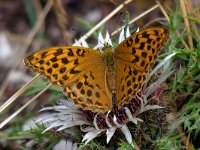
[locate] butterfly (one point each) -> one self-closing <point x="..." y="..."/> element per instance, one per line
<point x="96" y="80"/>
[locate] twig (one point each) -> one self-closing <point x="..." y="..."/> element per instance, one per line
<point x="187" y="25"/>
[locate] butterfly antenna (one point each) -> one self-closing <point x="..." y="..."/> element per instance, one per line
<point x="76" y="31"/>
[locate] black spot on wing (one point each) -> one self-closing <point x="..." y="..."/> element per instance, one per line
<point x="130" y="91"/>
<point x="73" y="71"/>
<point x="142" y="45"/>
<point x="41" y="62"/>
<point x="129" y="42"/>
<point x="153" y="50"/>
<point x="135" y="86"/>
<point x="44" y="54"/>
<point x="81" y="52"/>
<point x="133" y="50"/>
<point x="135" y="72"/>
<point x="70" y="52"/>
<point x="55" y="76"/>
<point x="79" y="85"/>
<point x="142" y="63"/>
<point x="89" y="93"/>
<point x="65" y="77"/>
<point x="82" y="91"/>
<point x="54" y="59"/>
<point x="144" y="54"/>
<point x="139" y="78"/>
<point x="65" y="60"/>
<point x="128" y="83"/>
<point x="136" y="59"/>
<point x="97" y="94"/>
<point x="49" y="70"/>
<point x="150" y="58"/>
<point x="76" y="62"/>
<point x="137" y="39"/>
<point x="55" y="65"/>
<point x="59" y="52"/>
<point x="62" y="70"/>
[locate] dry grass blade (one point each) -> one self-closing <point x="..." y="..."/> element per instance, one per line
<point x="23" y="107"/>
<point x="163" y="10"/>
<point x="28" y="41"/>
<point x="132" y="21"/>
<point x="105" y="20"/>
<point x="155" y="20"/>
<point x="61" y="17"/>
<point x="193" y="11"/>
<point x="136" y="18"/>
<point x="18" y="93"/>
<point x="187" y="25"/>
<point x="167" y="17"/>
<point x="185" y="139"/>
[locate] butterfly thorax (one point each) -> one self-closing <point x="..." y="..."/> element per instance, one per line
<point x="109" y="62"/>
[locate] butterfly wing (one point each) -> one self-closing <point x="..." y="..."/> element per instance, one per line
<point x="90" y="91"/>
<point x="79" y="71"/>
<point x="134" y="57"/>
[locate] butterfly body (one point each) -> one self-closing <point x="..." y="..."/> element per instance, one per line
<point x="110" y="67"/>
<point x="97" y="80"/>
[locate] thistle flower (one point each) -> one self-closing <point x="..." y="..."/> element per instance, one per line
<point x="66" y="114"/>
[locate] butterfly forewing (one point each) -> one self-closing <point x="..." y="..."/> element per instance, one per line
<point x="134" y="56"/>
<point x="62" y="65"/>
<point x="69" y="67"/>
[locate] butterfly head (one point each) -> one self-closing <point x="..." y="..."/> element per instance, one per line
<point x="104" y="43"/>
<point x="107" y="46"/>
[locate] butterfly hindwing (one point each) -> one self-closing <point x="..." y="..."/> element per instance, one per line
<point x="129" y="82"/>
<point x="90" y="91"/>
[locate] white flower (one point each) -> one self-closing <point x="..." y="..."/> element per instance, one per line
<point x="66" y="114"/>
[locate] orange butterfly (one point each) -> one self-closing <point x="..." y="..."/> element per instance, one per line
<point x="97" y="80"/>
